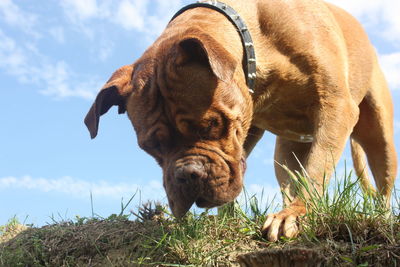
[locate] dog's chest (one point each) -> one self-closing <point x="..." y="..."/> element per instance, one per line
<point x="282" y="120"/>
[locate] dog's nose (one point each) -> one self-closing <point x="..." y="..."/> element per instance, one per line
<point x="189" y="173"/>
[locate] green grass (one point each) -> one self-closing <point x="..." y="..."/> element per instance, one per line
<point x="368" y="233"/>
<point x="346" y="228"/>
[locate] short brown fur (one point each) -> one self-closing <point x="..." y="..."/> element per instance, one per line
<point x="318" y="84"/>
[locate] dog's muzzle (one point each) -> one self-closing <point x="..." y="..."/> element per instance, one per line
<point x="204" y="182"/>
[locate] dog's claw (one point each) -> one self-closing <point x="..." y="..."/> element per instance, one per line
<point x="274" y="229"/>
<point x="290" y="228"/>
<point x="280" y="224"/>
<point x="268" y="221"/>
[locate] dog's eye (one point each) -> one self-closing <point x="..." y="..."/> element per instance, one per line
<point x="157" y="141"/>
<point x="154" y="148"/>
<point x="210" y="129"/>
<point x="151" y="145"/>
<point x="213" y="122"/>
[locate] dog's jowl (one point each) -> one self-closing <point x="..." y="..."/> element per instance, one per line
<point x="198" y="108"/>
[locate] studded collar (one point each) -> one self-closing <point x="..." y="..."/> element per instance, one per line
<point x="248" y="45"/>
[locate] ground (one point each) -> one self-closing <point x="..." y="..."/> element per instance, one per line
<point x="347" y="229"/>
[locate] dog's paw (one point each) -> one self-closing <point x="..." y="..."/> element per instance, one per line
<point x="283" y="223"/>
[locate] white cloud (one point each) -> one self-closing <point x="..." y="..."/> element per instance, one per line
<point x="130" y="14"/>
<point x="390" y="64"/>
<point x="55" y="78"/>
<point x="148" y="17"/>
<point x="80" y="10"/>
<point x="152" y="190"/>
<point x="159" y="17"/>
<point x="145" y="18"/>
<point x="80" y="188"/>
<point x="12" y="56"/>
<point x="391" y="16"/>
<point x="380" y="17"/>
<point x="26" y="63"/>
<point x="365" y="10"/>
<point x="14" y="16"/>
<point x="58" y="34"/>
<point x="374" y="13"/>
<point x="58" y="79"/>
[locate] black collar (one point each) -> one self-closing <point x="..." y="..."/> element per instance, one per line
<point x="248" y="46"/>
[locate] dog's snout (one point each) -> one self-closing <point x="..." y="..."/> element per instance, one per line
<point x="189" y="173"/>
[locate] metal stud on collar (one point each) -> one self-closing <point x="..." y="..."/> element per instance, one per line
<point x="249" y="60"/>
<point x="211" y="2"/>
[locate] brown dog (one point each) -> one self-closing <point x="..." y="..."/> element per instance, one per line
<point x="318" y="83"/>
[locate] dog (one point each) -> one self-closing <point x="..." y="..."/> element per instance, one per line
<point x="318" y="84"/>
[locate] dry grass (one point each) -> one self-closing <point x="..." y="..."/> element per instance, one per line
<point x="11" y="229"/>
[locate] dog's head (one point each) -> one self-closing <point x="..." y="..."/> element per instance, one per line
<point x="188" y="102"/>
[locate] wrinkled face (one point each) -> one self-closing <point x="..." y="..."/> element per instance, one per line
<point x="194" y="125"/>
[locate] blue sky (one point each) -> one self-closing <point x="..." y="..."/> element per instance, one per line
<point x="56" y="55"/>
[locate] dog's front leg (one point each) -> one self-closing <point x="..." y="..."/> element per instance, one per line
<point x="335" y="124"/>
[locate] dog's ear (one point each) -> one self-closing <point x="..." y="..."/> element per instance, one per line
<point x="113" y="93"/>
<point x="206" y="50"/>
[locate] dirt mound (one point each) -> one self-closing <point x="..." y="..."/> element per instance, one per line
<point x="202" y="241"/>
<point x="118" y="241"/>
<point x="94" y="243"/>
